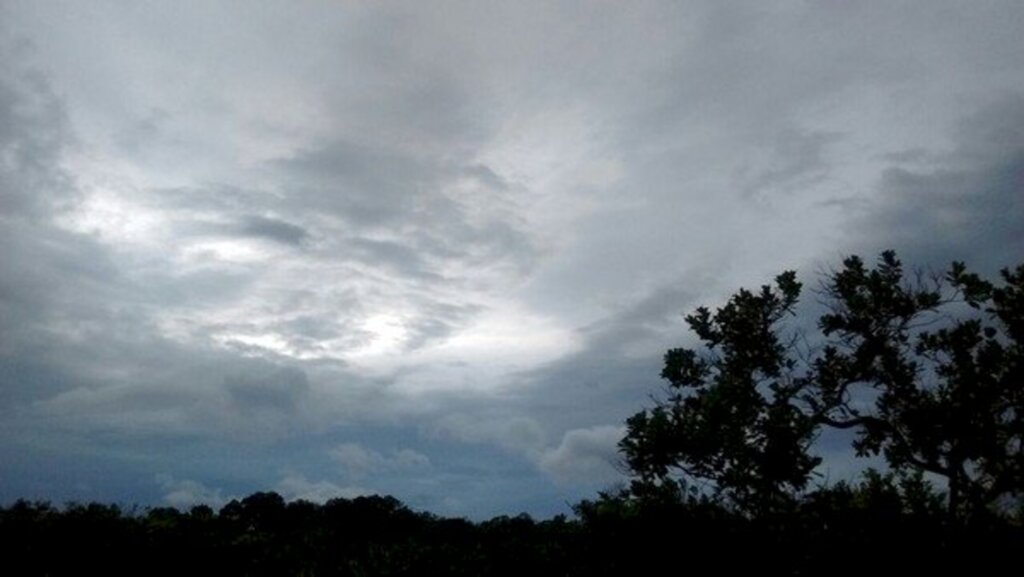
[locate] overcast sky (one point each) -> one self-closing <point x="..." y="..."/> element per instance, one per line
<point x="436" y="249"/>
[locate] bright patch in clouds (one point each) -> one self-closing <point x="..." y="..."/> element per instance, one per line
<point x="519" y="337"/>
<point x="445" y="248"/>
<point x="385" y="335"/>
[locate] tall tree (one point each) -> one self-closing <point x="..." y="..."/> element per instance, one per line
<point x="925" y="369"/>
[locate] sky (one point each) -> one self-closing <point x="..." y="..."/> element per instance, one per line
<point x="438" y="249"/>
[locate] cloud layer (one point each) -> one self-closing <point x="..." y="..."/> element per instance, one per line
<point x="438" y="250"/>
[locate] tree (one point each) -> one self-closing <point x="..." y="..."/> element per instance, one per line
<point x="927" y="370"/>
<point x="943" y="359"/>
<point x="733" y="415"/>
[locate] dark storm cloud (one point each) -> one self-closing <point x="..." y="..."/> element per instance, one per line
<point x="53" y="299"/>
<point x="966" y="204"/>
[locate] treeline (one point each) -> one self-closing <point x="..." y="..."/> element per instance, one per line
<point x="884" y="523"/>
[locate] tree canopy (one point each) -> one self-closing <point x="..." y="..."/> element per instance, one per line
<point x="925" y="369"/>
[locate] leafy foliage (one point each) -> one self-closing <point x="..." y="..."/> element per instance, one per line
<point x="926" y="370"/>
<point x="732" y="416"/>
<point x="943" y="360"/>
<point x="889" y="519"/>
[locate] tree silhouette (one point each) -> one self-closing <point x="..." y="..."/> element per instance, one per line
<point x="942" y="358"/>
<point x="926" y="369"/>
<point x="733" y="414"/>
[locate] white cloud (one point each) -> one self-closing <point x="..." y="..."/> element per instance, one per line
<point x="585" y="456"/>
<point x="185" y="493"/>
<point x="409" y="459"/>
<point x="294" y="486"/>
<point x="358" y="461"/>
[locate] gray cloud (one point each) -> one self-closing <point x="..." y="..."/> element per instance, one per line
<point x="467" y="233"/>
<point x="965" y="204"/>
<point x="280" y="389"/>
<point x="406" y="199"/>
<point x="33" y="135"/>
<point x="358" y="461"/>
<point x="397" y="257"/>
<point x="185" y="493"/>
<point x="272" y="229"/>
<point x="295" y="486"/>
<point x="519" y="434"/>
<point x="366" y="187"/>
<point x="797" y="161"/>
<point x="616" y="368"/>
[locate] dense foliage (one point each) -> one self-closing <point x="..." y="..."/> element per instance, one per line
<point x="927" y="370"/>
<point x="885" y="519"/>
